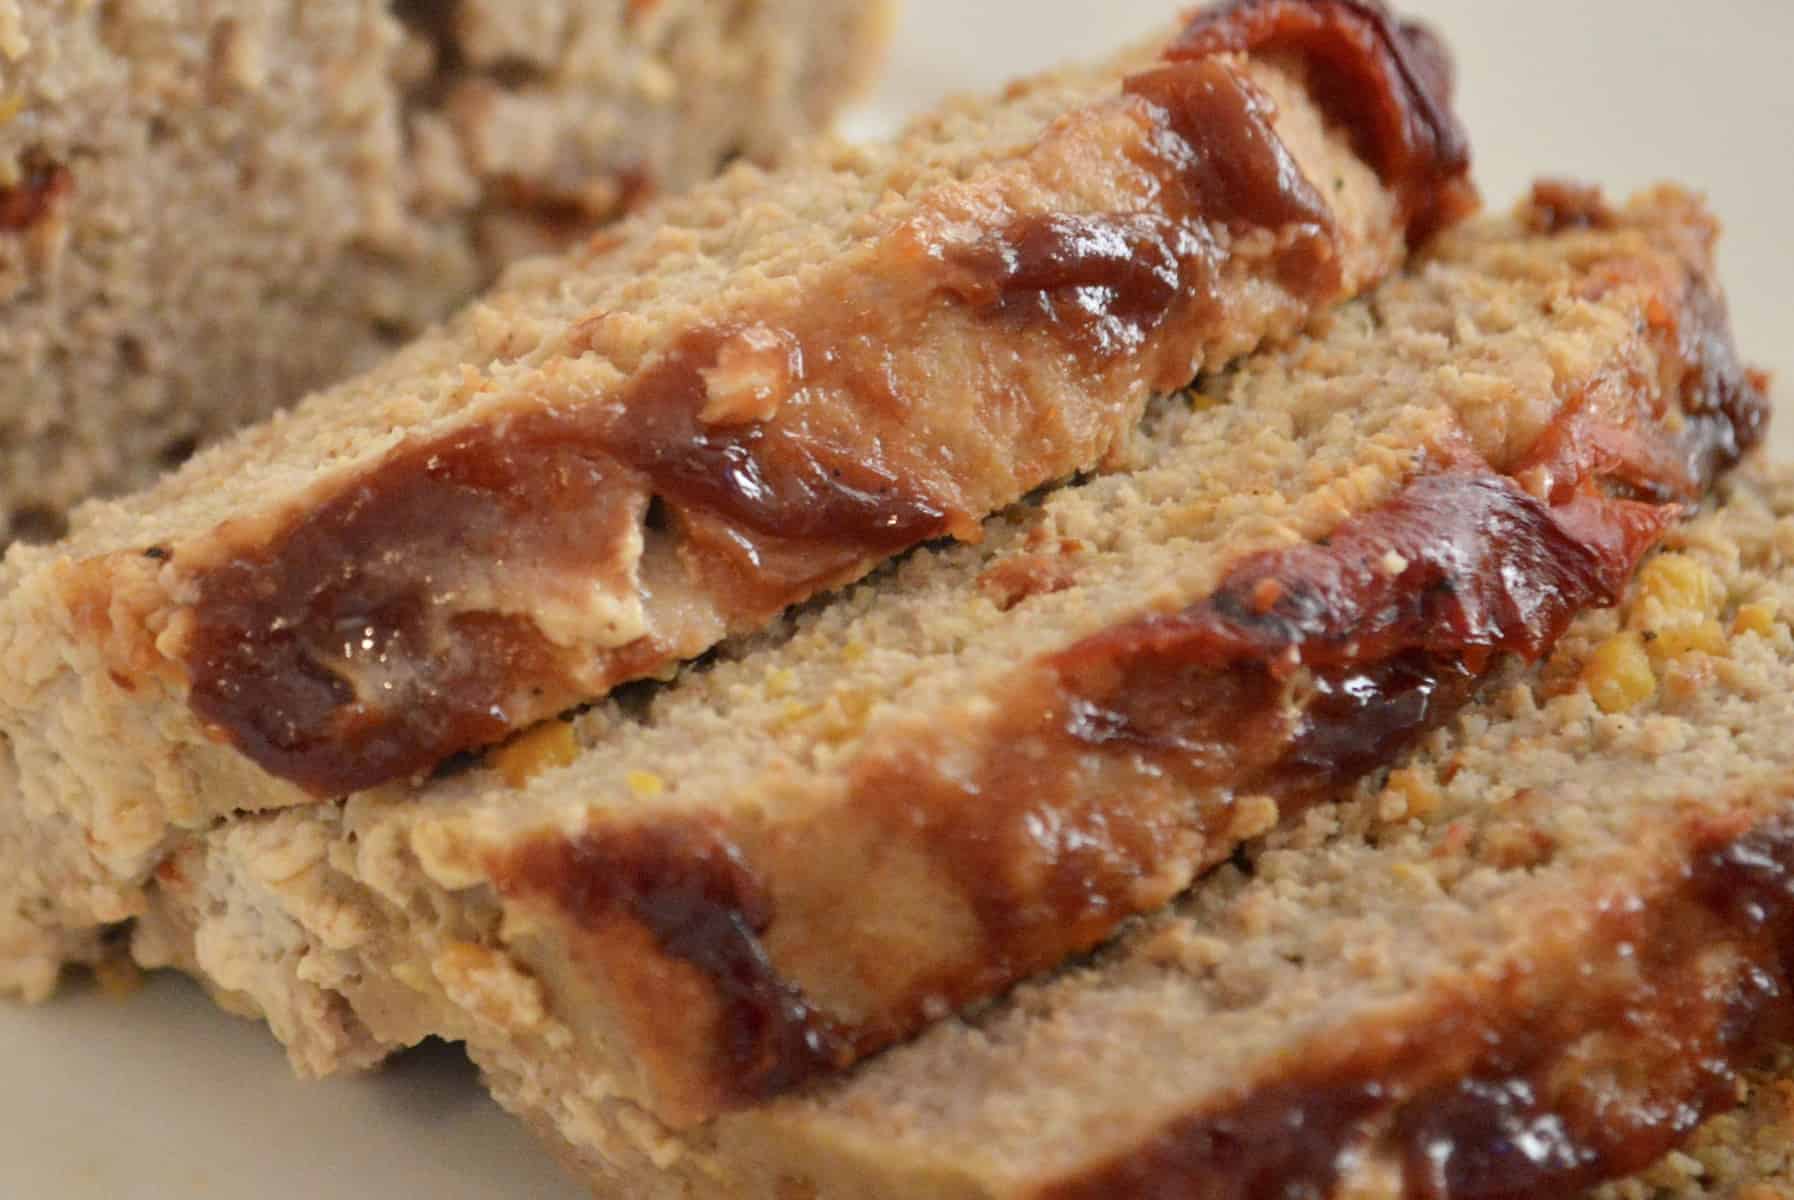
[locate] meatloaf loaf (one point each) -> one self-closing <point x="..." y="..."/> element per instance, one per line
<point x="982" y="763"/>
<point x="208" y="209"/>
<point x="725" y="405"/>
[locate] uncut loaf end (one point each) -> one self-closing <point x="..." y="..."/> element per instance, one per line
<point x="207" y="210"/>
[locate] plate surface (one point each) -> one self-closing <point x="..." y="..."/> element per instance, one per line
<point x="162" y="1097"/>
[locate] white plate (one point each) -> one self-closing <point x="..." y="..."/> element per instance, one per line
<point x="163" y="1098"/>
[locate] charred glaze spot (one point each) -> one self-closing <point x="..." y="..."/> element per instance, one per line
<point x="704" y="908"/>
<point x="1499" y="1136"/>
<point x="1388" y="82"/>
<point x="1559" y="206"/>
<point x="35" y="197"/>
<point x="1362" y="719"/>
<point x="338" y="657"/>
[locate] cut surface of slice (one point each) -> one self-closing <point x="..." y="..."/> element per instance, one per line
<point x="980" y="764"/>
<point x="733" y="401"/>
<point x="207" y="210"/>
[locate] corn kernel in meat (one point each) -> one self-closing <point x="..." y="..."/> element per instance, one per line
<point x="1619" y="675"/>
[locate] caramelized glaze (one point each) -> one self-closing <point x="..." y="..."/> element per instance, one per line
<point x="1725" y="403"/>
<point x="326" y="666"/>
<point x="1283" y="1142"/>
<point x="1103" y="285"/>
<point x="561" y="215"/>
<point x="1106" y="283"/>
<point x="1387" y="627"/>
<point x="770" y="478"/>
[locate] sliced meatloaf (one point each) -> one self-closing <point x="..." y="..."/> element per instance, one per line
<point x="1532" y="960"/>
<point x="984" y="762"/>
<point x="725" y="405"/>
<point x="208" y="209"/>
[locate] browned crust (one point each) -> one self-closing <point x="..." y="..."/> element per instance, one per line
<point x="1543" y="1083"/>
<point x="1118" y="770"/>
<point x="1559" y="205"/>
<point x="765" y="508"/>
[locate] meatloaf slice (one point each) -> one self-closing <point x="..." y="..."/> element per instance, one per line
<point x="725" y="405"/>
<point x="982" y="763"/>
<point x="208" y="209"/>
